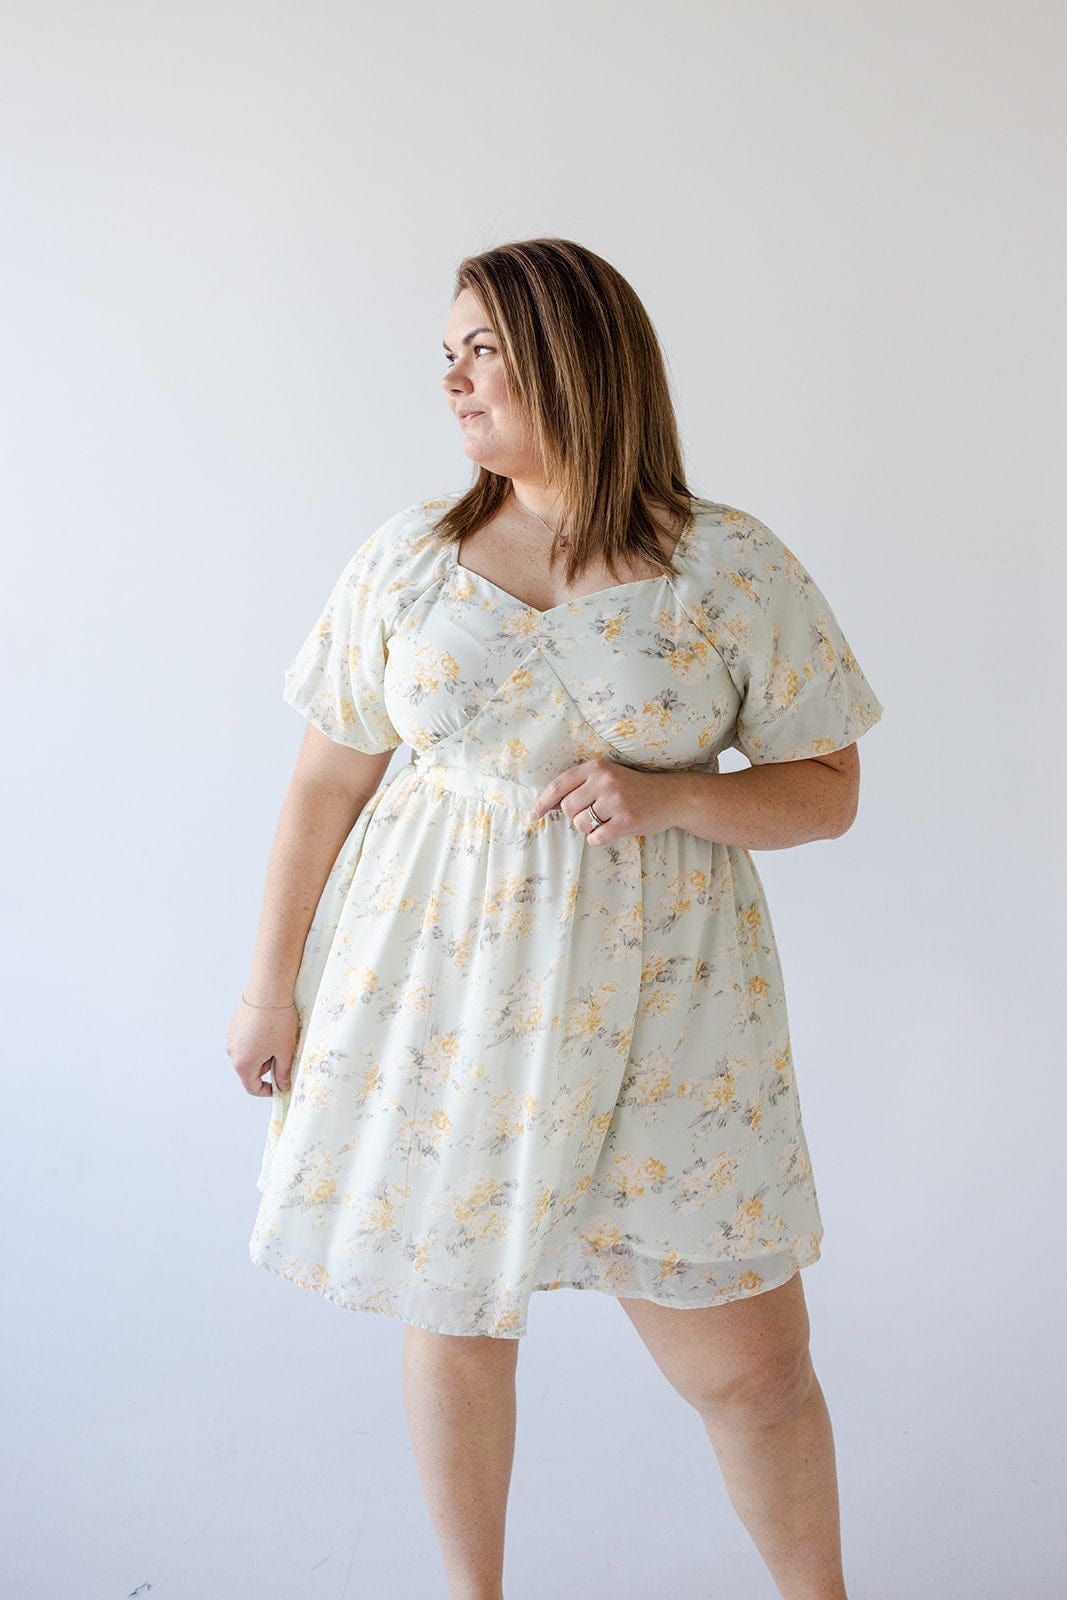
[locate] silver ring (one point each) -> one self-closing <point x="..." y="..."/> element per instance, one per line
<point x="598" y="822"/>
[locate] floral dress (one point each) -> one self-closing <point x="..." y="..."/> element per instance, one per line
<point x="524" y="1063"/>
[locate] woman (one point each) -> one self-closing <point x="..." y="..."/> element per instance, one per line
<point x="523" y="1002"/>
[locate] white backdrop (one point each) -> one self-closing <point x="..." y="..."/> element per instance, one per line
<point x="228" y="244"/>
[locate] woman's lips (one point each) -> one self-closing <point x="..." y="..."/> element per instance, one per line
<point x="469" y="417"/>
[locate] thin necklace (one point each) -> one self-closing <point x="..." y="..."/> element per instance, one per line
<point x="560" y="538"/>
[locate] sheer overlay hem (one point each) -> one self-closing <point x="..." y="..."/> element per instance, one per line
<point x="498" y="1312"/>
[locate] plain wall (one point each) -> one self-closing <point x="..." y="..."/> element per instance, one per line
<point x="228" y="244"/>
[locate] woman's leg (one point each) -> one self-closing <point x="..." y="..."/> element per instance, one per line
<point x="746" y="1368"/>
<point x="459" y="1397"/>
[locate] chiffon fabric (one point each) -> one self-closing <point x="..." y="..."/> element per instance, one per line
<point x="525" y="1062"/>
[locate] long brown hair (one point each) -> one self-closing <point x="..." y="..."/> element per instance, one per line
<point x="582" y="359"/>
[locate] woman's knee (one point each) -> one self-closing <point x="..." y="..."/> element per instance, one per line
<point x="759" y="1393"/>
<point x="748" y="1358"/>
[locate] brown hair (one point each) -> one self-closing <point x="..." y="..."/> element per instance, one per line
<point x="583" y="361"/>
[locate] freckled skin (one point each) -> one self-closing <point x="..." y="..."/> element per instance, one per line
<point x="758" y="808"/>
<point x="768" y="807"/>
<point x="514" y="549"/>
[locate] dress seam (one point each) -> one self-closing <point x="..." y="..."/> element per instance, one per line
<point x="392" y="625"/>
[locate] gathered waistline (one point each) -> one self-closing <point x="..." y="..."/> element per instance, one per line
<point x="481" y="785"/>
<point x="494" y="788"/>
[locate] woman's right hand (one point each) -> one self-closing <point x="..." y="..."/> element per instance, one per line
<point x="257" y="1040"/>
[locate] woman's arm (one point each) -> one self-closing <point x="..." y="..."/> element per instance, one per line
<point x="331" y="784"/>
<point x="765" y="807"/>
<point x="772" y="806"/>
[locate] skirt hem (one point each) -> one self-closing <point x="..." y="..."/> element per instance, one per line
<point x="519" y="1328"/>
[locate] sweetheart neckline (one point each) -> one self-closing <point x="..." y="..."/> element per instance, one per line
<point x="577" y="599"/>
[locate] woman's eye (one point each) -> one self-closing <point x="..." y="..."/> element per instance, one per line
<point x="450" y="358"/>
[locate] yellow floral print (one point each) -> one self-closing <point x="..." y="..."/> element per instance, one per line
<point x="523" y="1064"/>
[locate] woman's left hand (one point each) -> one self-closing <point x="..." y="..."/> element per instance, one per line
<point x="627" y="800"/>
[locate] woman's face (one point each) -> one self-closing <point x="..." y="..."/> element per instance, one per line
<point x="495" y="435"/>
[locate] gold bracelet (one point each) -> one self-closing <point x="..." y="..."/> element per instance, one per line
<point x="268" y="1008"/>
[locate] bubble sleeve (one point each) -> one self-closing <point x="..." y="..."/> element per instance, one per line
<point x="802" y="691"/>
<point x="337" y="677"/>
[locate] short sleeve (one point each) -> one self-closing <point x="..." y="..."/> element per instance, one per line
<point x="337" y="677"/>
<point x="802" y="691"/>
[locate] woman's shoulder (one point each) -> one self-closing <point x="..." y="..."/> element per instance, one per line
<point x="728" y="556"/>
<point x="406" y="533"/>
<point x="720" y="536"/>
<point x="404" y="555"/>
